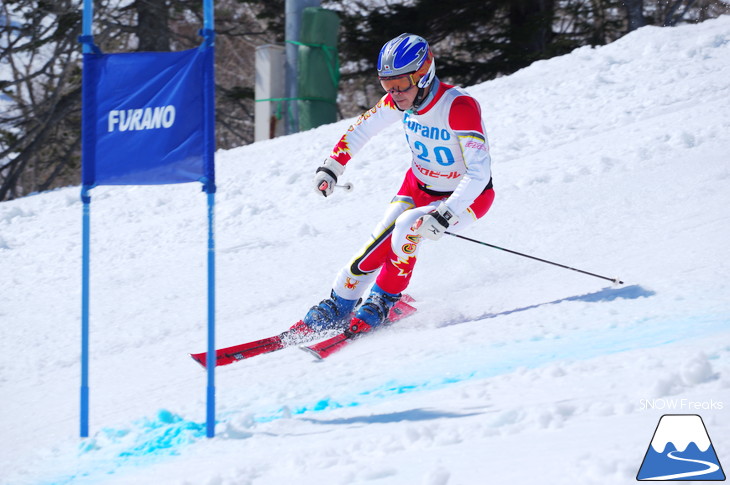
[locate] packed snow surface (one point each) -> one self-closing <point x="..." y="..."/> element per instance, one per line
<point x="614" y="160"/>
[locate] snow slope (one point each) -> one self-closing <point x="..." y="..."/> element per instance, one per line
<point x="614" y="160"/>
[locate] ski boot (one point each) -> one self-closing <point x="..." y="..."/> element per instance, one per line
<point x="330" y="314"/>
<point x="372" y="313"/>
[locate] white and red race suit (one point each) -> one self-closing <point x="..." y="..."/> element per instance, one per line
<point x="451" y="163"/>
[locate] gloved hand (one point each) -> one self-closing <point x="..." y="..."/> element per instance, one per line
<point x="326" y="175"/>
<point x="433" y="224"/>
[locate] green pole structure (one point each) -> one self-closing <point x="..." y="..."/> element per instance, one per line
<point x="319" y="68"/>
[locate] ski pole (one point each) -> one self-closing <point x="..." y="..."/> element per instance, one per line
<point x="613" y="280"/>
<point x="347" y="186"/>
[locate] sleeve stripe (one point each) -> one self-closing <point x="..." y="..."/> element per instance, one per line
<point x="471" y="134"/>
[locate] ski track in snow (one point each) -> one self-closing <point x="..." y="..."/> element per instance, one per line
<point x="613" y="159"/>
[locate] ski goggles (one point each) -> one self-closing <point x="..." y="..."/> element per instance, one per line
<point x="399" y="84"/>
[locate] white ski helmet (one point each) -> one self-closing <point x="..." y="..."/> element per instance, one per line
<point x="407" y="54"/>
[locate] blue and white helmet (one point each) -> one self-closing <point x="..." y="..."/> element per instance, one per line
<point x="407" y="54"/>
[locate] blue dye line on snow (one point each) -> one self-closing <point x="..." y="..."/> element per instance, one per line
<point x="168" y="433"/>
<point x="500" y="359"/>
<point x="505" y="363"/>
<point x="163" y="435"/>
<point x="146" y="441"/>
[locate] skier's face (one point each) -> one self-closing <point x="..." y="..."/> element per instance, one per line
<point x="405" y="99"/>
<point x="402" y="90"/>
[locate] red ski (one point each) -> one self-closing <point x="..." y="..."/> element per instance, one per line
<point x="324" y="349"/>
<point x="235" y="353"/>
<point x="293" y="336"/>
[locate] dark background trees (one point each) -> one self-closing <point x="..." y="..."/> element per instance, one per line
<point x="40" y="75"/>
<point x="474" y="41"/>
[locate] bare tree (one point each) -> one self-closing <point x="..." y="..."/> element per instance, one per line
<point x="672" y="12"/>
<point x="530" y="29"/>
<point x="40" y="57"/>
<point x="634" y="14"/>
<point x="40" y="60"/>
<point x="40" y="75"/>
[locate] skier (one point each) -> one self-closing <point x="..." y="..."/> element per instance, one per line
<point x="448" y="186"/>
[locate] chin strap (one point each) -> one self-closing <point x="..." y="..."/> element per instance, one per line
<point x="421" y="96"/>
<point x="419" y="99"/>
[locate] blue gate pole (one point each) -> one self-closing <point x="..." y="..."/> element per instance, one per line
<point x="85" y="266"/>
<point x="87" y="21"/>
<point x="209" y="137"/>
<point x="88" y="15"/>
<point x="210" y="356"/>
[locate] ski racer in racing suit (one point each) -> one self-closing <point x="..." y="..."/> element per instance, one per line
<point x="448" y="186"/>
